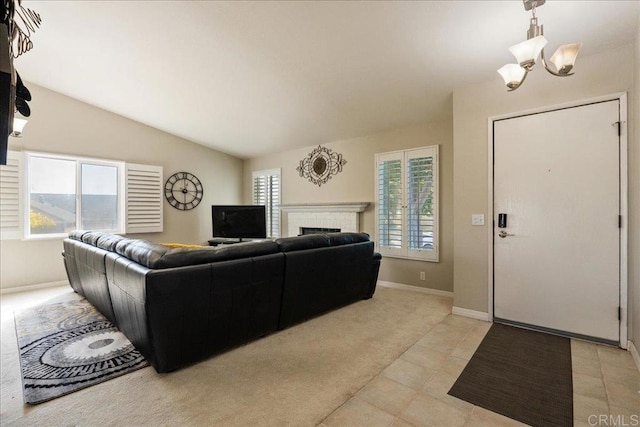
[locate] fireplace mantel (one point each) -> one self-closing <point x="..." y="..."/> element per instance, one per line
<point x="325" y="207"/>
<point x="343" y="216"/>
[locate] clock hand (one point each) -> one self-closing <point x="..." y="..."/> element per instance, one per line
<point x="182" y="190"/>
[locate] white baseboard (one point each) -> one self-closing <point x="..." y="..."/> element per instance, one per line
<point x="480" y="315"/>
<point x="415" y="289"/>
<point x="15" y="289"/>
<point x="634" y="353"/>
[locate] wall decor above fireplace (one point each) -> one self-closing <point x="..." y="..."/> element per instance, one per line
<point x="320" y="165"/>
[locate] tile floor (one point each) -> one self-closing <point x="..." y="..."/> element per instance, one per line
<point x="412" y="391"/>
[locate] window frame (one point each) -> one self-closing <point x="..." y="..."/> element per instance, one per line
<point x="404" y="251"/>
<point x="79" y="161"/>
<point x="270" y="209"/>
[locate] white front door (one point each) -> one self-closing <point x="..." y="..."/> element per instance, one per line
<point x="557" y="179"/>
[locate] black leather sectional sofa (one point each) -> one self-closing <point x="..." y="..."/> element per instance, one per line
<point x="178" y="306"/>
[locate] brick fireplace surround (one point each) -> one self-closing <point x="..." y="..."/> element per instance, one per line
<point x="343" y="216"/>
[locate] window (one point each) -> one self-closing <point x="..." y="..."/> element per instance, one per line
<point x="66" y="193"/>
<point x="54" y="194"/>
<point x="407" y="203"/>
<point x="266" y="192"/>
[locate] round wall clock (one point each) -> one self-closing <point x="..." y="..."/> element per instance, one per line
<point x="183" y="191"/>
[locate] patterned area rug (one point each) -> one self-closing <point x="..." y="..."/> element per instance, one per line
<point x="68" y="346"/>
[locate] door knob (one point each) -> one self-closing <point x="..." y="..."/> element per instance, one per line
<point x="504" y="234"/>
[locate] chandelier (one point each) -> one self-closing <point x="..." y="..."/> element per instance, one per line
<point x="527" y="52"/>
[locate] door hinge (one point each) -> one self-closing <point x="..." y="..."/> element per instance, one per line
<point x="619" y="221"/>
<point x="619" y="123"/>
<point x="619" y="313"/>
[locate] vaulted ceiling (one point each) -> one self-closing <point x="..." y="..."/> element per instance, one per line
<point x="250" y="78"/>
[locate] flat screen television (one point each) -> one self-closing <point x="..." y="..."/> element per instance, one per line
<point x="239" y="222"/>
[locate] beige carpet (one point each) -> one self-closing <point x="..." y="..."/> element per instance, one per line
<point x="294" y="377"/>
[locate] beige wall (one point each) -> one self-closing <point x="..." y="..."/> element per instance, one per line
<point x="356" y="184"/>
<point x="596" y="75"/>
<point x="60" y="124"/>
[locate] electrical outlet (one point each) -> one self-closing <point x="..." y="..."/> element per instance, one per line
<point x="422" y="276"/>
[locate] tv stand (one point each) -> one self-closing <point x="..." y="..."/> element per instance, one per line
<point x="224" y="241"/>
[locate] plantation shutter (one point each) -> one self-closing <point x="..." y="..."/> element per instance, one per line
<point x="407" y="203"/>
<point x="390" y="203"/>
<point x="421" y="203"/>
<point x="266" y="192"/>
<point x="144" y="199"/>
<point x="10" y="193"/>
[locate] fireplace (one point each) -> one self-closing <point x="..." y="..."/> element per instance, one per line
<point x="325" y="216"/>
<point x="317" y="230"/>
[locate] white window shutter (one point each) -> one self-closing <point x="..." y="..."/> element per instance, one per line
<point x="390" y="201"/>
<point x="10" y="193"/>
<point x="266" y="192"/>
<point x="144" y="199"/>
<point x="274" y="205"/>
<point x="407" y="204"/>
<point x="422" y="203"/>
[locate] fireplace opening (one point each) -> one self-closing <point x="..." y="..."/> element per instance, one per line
<point x="317" y="230"/>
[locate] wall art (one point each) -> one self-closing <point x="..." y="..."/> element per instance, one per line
<point x="320" y="165"/>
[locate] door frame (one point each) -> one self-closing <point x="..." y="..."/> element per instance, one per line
<point x="624" y="229"/>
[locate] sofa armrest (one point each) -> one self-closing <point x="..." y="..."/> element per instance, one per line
<point x="375" y="269"/>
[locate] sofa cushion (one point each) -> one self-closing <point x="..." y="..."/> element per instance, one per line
<point x="156" y="256"/>
<point x="108" y="242"/>
<point x="91" y="237"/>
<point x="299" y="243"/>
<point x="141" y="251"/>
<point x="339" y="239"/>
<point x="183" y="256"/>
<point x="320" y="240"/>
<point x="77" y="234"/>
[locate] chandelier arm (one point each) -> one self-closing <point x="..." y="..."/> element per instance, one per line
<point x="511" y="89"/>
<point x="546" y="67"/>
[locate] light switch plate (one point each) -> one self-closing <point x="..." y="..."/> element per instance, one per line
<point x="477" y="219"/>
